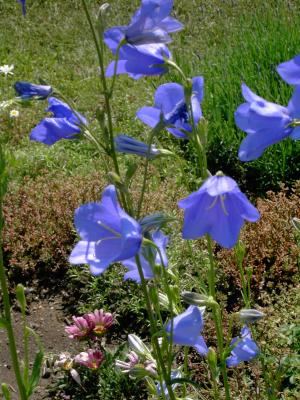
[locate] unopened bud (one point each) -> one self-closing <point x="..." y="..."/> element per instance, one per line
<point x="250" y="315"/>
<point x="20" y="294"/>
<point x="102" y="16"/>
<point x="139" y="346"/>
<point x="195" y="299"/>
<point x="104" y="8"/>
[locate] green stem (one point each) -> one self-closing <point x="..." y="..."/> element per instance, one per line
<point x="211" y="271"/>
<point x="8" y="319"/>
<point x="116" y="67"/>
<point x="185" y="369"/>
<point x="10" y="331"/>
<point x="106" y="93"/>
<point x="153" y="328"/>
<point x="26" y="351"/>
<point x="217" y="317"/>
<point x="154" y="132"/>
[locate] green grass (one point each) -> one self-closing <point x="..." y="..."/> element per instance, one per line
<point x="225" y="41"/>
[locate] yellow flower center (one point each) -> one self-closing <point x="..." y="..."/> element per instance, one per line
<point x="99" y="330"/>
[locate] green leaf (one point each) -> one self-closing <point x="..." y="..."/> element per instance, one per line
<point x="131" y="170"/>
<point x="5" y="391"/>
<point x="20" y="294"/>
<point x="36" y="373"/>
<point x="3" y="323"/>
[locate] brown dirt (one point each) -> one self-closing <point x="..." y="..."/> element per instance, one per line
<point x="47" y="318"/>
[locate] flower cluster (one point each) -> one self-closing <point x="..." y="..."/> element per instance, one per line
<point x="91" y="325"/>
<point x="108" y="230"/>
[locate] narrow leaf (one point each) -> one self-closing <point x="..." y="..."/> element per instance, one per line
<point x="36" y="373"/>
<point x="5" y="391"/>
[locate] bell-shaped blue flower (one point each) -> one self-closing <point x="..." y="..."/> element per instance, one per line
<point x="219" y="209"/>
<point x="136" y="61"/>
<point x="23" y="4"/>
<point x="169" y="100"/>
<point x="143" y="49"/>
<point x="290" y="71"/>
<point x="151" y="23"/>
<point x="187" y="328"/>
<point x="108" y="234"/>
<point x="129" y="145"/>
<point x="265" y="123"/>
<point x="148" y="257"/>
<point x="27" y="90"/>
<point x="243" y="348"/>
<point x="65" y="124"/>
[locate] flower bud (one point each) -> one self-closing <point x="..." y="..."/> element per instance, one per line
<point x="20" y="294"/>
<point x="75" y="375"/>
<point x="139" y="346"/>
<point x="195" y="299"/>
<point x="250" y="315"/>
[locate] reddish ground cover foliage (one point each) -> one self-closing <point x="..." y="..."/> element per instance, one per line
<point x="272" y="245"/>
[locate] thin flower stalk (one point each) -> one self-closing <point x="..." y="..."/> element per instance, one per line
<point x="5" y="295"/>
<point x="153" y="325"/>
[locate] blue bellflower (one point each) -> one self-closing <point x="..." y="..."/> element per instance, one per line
<point x="265" y="123"/>
<point x="219" y="209"/>
<point x="107" y="233"/>
<point x="147" y="253"/>
<point x="290" y="71"/>
<point x="144" y="49"/>
<point x="23" y="4"/>
<point x="244" y="348"/>
<point x="136" y="61"/>
<point x="129" y="145"/>
<point x="151" y="23"/>
<point x="187" y="327"/>
<point x="64" y="124"/>
<point x="169" y="100"/>
<point x="27" y="90"/>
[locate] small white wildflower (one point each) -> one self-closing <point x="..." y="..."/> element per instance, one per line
<point x="7" y="69"/>
<point x="14" y="114"/>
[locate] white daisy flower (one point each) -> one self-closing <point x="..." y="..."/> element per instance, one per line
<point x="14" y="114"/>
<point x="7" y="69"/>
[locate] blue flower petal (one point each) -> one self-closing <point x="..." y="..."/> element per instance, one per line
<point x="62" y="110"/>
<point x="244" y="348"/>
<point x="149" y="115"/>
<point x="113" y="36"/>
<point x="27" y="90"/>
<point x="168" y="96"/>
<point x="50" y="130"/>
<point x="290" y="71"/>
<point x="201" y="346"/>
<point x="296" y="133"/>
<point x="294" y="104"/>
<point x="187" y="327"/>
